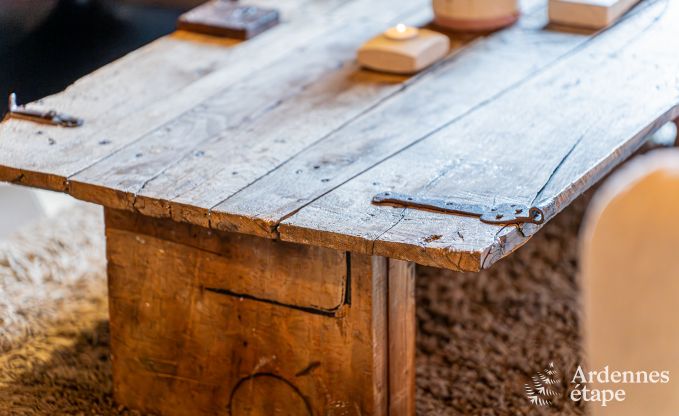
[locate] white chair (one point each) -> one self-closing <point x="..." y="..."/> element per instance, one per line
<point x="630" y="281"/>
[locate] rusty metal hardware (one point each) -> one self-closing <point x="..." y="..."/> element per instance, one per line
<point x="44" y="117"/>
<point x="501" y="214"/>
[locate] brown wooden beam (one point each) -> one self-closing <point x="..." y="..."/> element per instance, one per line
<point x="206" y="322"/>
<point x="402" y="332"/>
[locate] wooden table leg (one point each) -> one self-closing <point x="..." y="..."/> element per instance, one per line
<point x="402" y="332"/>
<point x="205" y="323"/>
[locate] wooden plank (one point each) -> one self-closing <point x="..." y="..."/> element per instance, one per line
<point x="180" y="349"/>
<point x="291" y="84"/>
<point x="533" y="156"/>
<point x="468" y="80"/>
<point x="294" y="275"/>
<point x="402" y="326"/>
<point x="136" y="94"/>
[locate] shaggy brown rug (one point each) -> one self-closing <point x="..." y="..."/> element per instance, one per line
<point x="481" y="336"/>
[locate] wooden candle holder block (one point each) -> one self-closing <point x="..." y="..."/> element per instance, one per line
<point x="404" y="56"/>
<point x="228" y="19"/>
<point x="591" y="14"/>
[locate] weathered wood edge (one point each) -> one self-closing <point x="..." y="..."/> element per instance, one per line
<point x="518" y="236"/>
<point x="211" y="51"/>
<point x="508" y="238"/>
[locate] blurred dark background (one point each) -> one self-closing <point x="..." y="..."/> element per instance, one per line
<point x="45" y="45"/>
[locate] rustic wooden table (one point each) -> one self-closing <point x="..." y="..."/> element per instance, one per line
<point x="249" y="271"/>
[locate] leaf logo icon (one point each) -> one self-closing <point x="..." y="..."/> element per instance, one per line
<point x="540" y="391"/>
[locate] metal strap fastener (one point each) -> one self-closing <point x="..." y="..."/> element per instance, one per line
<point x="498" y="214"/>
<point x="45" y="117"/>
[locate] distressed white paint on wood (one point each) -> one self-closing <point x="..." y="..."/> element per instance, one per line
<point x="630" y="281"/>
<point x="595" y="14"/>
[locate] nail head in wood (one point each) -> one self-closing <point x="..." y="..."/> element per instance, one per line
<point x="229" y="19"/>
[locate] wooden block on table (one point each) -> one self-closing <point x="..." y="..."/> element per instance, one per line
<point x="405" y="56"/>
<point x="228" y="19"/>
<point x="593" y="14"/>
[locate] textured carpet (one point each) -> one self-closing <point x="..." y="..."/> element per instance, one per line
<point x="481" y="336"/>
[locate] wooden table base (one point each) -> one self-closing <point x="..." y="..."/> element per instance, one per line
<point x="206" y="322"/>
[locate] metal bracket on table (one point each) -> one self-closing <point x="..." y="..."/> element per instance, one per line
<point x="502" y="214"/>
<point x="43" y="117"/>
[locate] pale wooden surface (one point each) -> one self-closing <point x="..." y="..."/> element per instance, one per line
<point x="630" y="280"/>
<point x="285" y="137"/>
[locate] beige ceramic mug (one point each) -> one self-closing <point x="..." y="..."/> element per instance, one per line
<point x="475" y="15"/>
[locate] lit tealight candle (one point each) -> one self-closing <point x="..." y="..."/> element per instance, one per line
<point x="401" y="32"/>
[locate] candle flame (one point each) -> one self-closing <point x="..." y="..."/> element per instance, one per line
<point x="401" y="28"/>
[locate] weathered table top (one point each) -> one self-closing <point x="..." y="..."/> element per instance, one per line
<point x="283" y="136"/>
